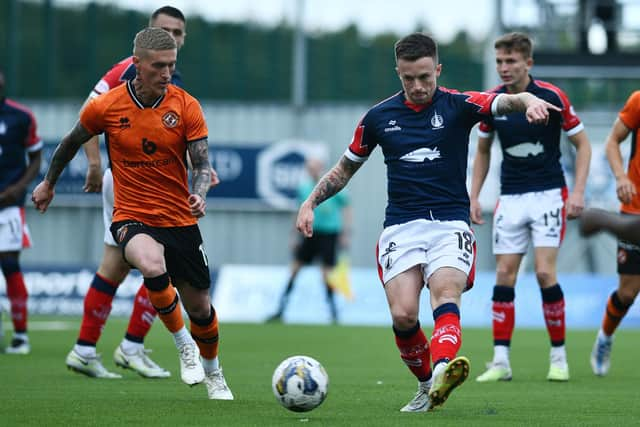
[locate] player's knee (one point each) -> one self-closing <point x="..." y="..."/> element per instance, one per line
<point x="505" y="275"/>
<point x="157" y="283"/>
<point x="627" y="295"/>
<point x="151" y="264"/>
<point x="115" y="272"/>
<point x="201" y="314"/>
<point x="403" y="319"/>
<point x="545" y="277"/>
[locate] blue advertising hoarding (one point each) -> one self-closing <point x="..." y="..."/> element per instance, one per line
<point x="260" y="176"/>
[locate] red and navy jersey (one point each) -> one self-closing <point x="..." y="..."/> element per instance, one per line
<point x="425" y="148"/>
<point x="531" y="153"/>
<point x="122" y="72"/>
<point x="18" y="136"/>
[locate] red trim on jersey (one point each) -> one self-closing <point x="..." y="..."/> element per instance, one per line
<point x="485" y="128"/>
<point x="114" y="77"/>
<point x="472" y="273"/>
<point x="416" y="107"/>
<point x="26" y="240"/>
<point x="447" y="90"/>
<point x="569" y="118"/>
<point x="378" y="264"/>
<point x="565" y="195"/>
<point x="32" y="136"/>
<point x="481" y="99"/>
<point x="356" y="144"/>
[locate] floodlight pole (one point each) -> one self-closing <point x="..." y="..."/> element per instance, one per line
<point x="299" y="71"/>
<point x="490" y="77"/>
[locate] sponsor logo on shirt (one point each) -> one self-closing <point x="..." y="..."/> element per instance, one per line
<point x="526" y="149"/>
<point x="418" y="156"/>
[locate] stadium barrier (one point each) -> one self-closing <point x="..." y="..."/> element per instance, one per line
<point x="250" y="294"/>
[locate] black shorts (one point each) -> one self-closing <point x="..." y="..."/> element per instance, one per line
<point x="183" y="250"/>
<point x="321" y="245"/>
<point x="628" y="257"/>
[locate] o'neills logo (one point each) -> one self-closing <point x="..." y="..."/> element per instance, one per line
<point x="170" y="119"/>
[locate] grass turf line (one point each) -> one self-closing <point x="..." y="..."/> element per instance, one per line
<point x="368" y="383"/>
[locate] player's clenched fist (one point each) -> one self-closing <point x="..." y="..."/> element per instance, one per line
<point x="197" y="205"/>
<point x="304" y="222"/>
<point x="42" y="195"/>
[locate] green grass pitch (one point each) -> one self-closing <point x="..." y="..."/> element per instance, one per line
<point x="368" y="382"/>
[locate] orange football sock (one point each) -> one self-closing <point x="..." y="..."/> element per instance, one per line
<point x="205" y="333"/>
<point x="167" y="304"/>
<point x="613" y="314"/>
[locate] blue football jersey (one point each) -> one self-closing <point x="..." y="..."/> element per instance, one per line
<point x="531" y="153"/>
<point x="425" y="148"/>
<point x="18" y="136"/>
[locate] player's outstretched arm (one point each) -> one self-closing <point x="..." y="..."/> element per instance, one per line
<point x="201" y="176"/>
<point x="536" y="109"/>
<point x="330" y="184"/>
<point x="65" y="151"/>
<point x="575" y="202"/>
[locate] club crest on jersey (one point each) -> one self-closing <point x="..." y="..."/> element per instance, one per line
<point x="437" y="122"/>
<point x="171" y="119"/>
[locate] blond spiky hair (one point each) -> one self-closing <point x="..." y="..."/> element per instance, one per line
<point x="152" y="38"/>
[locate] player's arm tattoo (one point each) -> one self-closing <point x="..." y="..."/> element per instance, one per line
<point x="201" y="168"/>
<point x="516" y="103"/>
<point x="334" y="180"/>
<point x="66" y="150"/>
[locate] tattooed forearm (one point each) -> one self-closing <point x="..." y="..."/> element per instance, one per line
<point x="334" y="180"/>
<point x="65" y="151"/>
<point x="199" y="154"/>
<point x="513" y="103"/>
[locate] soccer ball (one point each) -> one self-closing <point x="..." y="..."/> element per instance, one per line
<point x="300" y="383"/>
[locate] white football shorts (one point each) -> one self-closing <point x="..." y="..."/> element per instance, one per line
<point x="431" y="244"/>
<point x="14" y="233"/>
<point x="107" y="206"/>
<point x="539" y="216"/>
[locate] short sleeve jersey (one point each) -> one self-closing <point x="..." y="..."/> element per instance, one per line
<point x="147" y="152"/>
<point x="124" y="71"/>
<point x="425" y="148"/>
<point x="18" y="136"/>
<point x="630" y="116"/>
<point x="531" y="152"/>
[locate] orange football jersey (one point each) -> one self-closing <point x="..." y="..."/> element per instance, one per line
<point x="630" y="116"/>
<point x="147" y="152"/>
